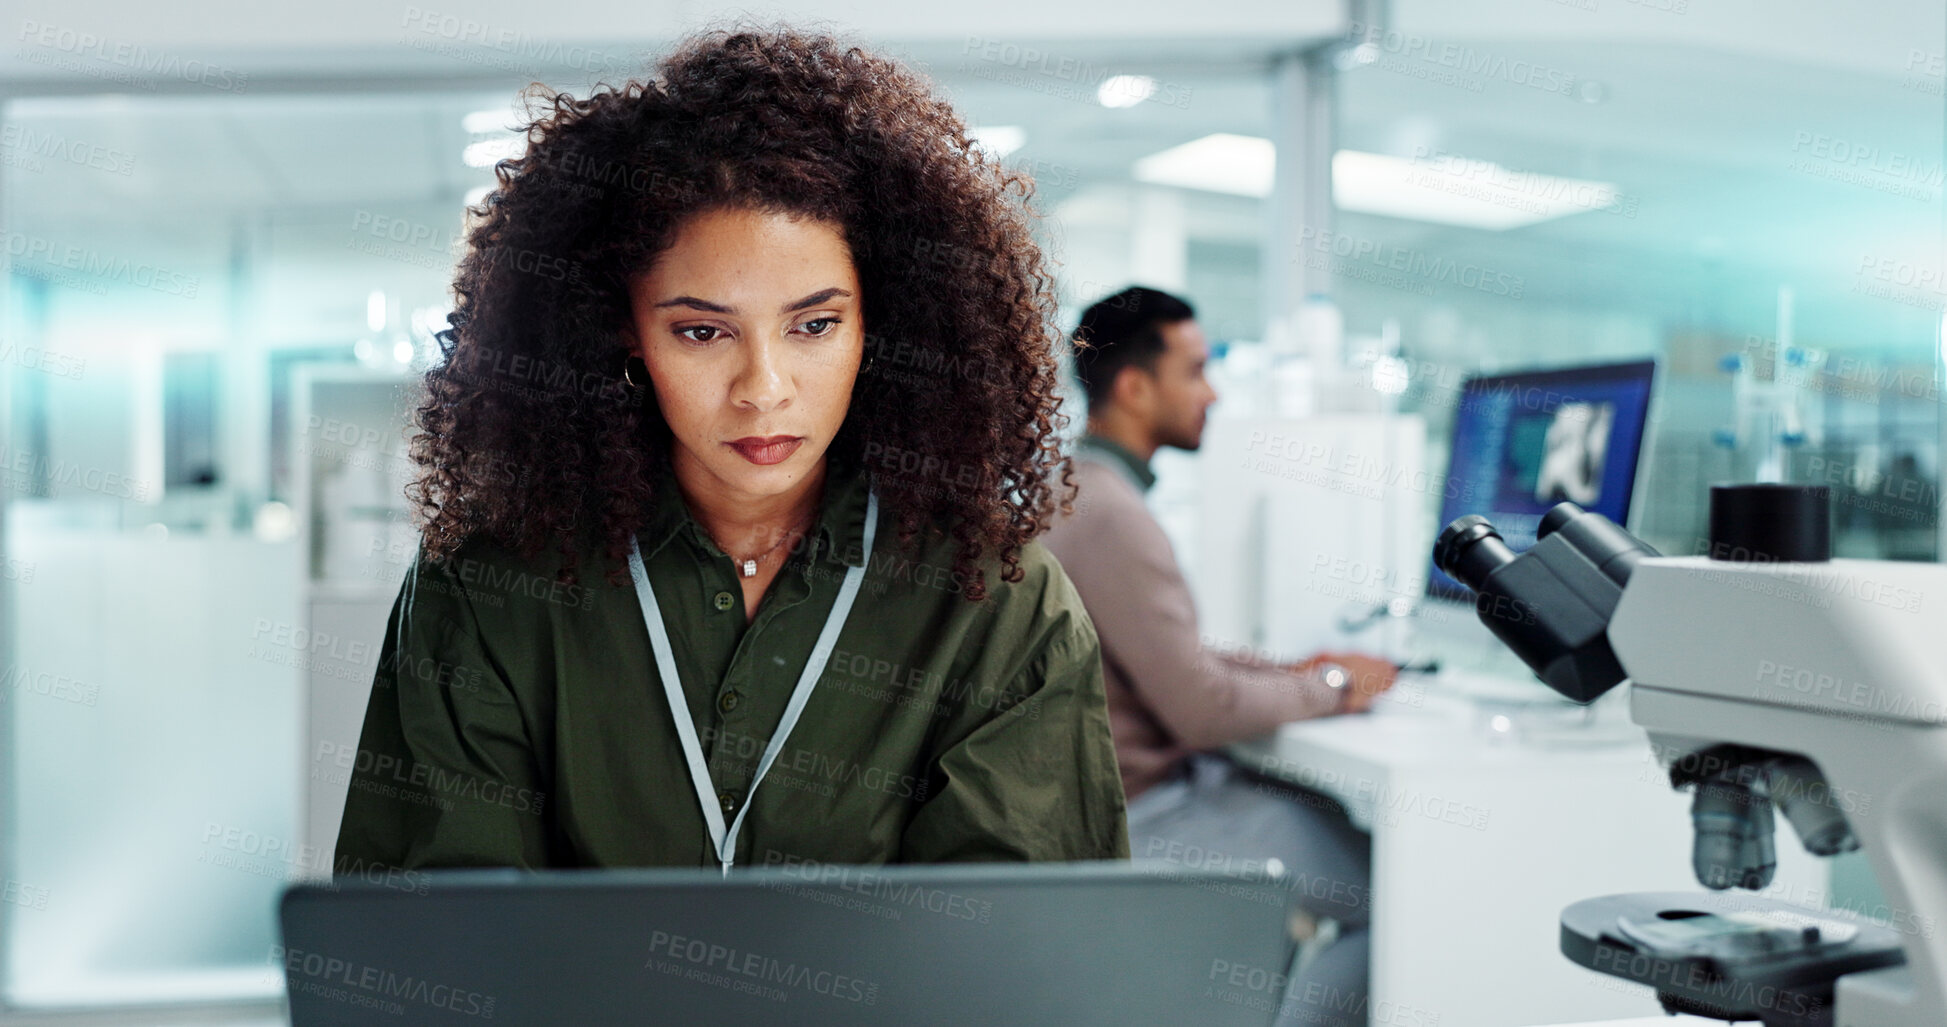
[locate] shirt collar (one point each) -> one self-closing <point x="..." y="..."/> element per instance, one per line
<point x="840" y="531"/>
<point x="1138" y="468"/>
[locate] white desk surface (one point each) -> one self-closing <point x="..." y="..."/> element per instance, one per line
<point x="1482" y="837"/>
<point x="1648" y="1021"/>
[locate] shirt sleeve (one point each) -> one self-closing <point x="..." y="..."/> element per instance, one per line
<point x="1147" y="619"/>
<point x="1036" y="780"/>
<point x="444" y="775"/>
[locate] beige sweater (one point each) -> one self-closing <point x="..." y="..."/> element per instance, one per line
<point x="1168" y="695"/>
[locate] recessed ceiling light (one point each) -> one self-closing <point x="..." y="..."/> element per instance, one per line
<point x="999" y="140"/>
<point x="1125" y="90"/>
<point x="1449" y="189"/>
<point x="1221" y="162"/>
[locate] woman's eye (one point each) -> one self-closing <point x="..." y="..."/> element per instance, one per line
<point x="818" y="326"/>
<point x="710" y="332"/>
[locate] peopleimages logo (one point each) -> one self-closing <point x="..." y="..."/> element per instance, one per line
<point x="34" y="249"/>
<point x="1838" y="159"/>
<point x="78" y="44"/>
<point x="375" y="987"/>
<point x="22" y="468"/>
<point x="723" y="965"/>
<point x="1456" y="64"/>
<point x="1514" y="189"/>
<point x="464" y="38"/>
<point x="1354" y="253"/>
<point x="27" y="142"/>
<point x="1058" y="75"/>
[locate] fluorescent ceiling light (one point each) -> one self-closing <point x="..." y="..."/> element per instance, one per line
<point x="484" y="122"/>
<point x="1443" y="189"/>
<point x="999" y="140"/>
<point x="1449" y="189"/>
<point x="503" y="138"/>
<point x="488" y="152"/>
<point x="1125" y="90"/>
<point x="1223" y="163"/>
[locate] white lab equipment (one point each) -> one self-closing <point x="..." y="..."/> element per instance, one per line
<point x="1769" y="677"/>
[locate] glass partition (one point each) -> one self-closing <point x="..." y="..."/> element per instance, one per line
<point x="217" y="309"/>
<point x="1767" y="228"/>
<point x="216" y="306"/>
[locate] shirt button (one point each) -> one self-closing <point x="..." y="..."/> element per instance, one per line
<point x="725" y="600"/>
<point x="729" y="801"/>
<point x="728" y="702"/>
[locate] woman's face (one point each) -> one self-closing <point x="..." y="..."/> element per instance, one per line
<point x="751" y="324"/>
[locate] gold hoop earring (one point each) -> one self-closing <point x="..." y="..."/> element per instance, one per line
<point x="628" y="372"/>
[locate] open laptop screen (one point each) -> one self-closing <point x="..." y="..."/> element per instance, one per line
<point x="1525" y="442"/>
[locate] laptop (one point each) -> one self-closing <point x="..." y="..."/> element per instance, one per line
<point x="810" y="944"/>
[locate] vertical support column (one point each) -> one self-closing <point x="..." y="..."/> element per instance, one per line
<point x="1159" y="243"/>
<point x="243" y="390"/>
<point x="1940" y="394"/>
<point x="1304" y="129"/>
<point x="1940" y="410"/>
<point x="1940" y="420"/>
<point x="8" y="600"/>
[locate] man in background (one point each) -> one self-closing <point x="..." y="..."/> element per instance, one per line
<point x="1173" y="703"/>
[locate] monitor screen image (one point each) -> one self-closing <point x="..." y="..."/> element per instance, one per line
<point x="1525" y="442"/>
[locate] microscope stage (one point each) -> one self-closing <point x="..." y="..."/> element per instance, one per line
<point x="1728" y="955"/>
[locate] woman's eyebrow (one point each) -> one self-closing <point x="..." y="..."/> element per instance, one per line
<point x="717" y="308"/>
<point x="696" y="304"/>
<point x="816" y="298"/>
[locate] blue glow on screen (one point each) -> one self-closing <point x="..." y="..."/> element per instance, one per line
<point x="1525" y="442"/>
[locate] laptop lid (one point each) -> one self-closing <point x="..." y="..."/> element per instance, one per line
<point x="803" y="945"/>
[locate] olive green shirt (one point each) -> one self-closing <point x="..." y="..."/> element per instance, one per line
<point x="515" y="721"/>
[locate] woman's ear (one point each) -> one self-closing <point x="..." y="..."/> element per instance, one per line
<point x="635" y="372"/>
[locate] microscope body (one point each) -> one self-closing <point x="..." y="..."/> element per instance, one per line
<point x="1767" y="676"/>
<point x="1844" y="663"/>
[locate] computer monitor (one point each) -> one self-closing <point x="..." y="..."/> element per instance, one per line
<point x="1525" y="442"/>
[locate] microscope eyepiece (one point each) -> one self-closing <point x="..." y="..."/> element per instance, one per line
<point x="1545" y="603"/>
<point x="1557" y="516"/>
<point x="1470" y="549"/>
<point x="1600" y="540"/>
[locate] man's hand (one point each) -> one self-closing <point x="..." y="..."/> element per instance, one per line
<point x="1370" y="676"/>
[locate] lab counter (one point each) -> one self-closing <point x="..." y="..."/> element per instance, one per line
<point x="1491" y="808"/>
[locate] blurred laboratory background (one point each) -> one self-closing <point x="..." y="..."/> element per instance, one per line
<point x="230" y="232"/>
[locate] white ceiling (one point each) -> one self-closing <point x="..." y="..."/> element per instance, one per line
<point x="1710" y="147"/>
<point x="268" y="41"/>
<point x="1697" y="121"/>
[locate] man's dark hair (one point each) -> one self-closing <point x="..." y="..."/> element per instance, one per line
<point x="1123" y="330"/>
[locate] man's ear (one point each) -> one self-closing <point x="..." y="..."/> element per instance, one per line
<point x="1132" y="388"/>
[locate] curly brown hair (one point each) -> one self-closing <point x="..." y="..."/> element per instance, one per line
<point x="527" y="430"/>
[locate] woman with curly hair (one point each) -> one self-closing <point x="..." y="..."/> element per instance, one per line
<point x="731" y="475"/>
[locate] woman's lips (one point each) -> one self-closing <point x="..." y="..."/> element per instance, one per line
<point x="768" y="449"/>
